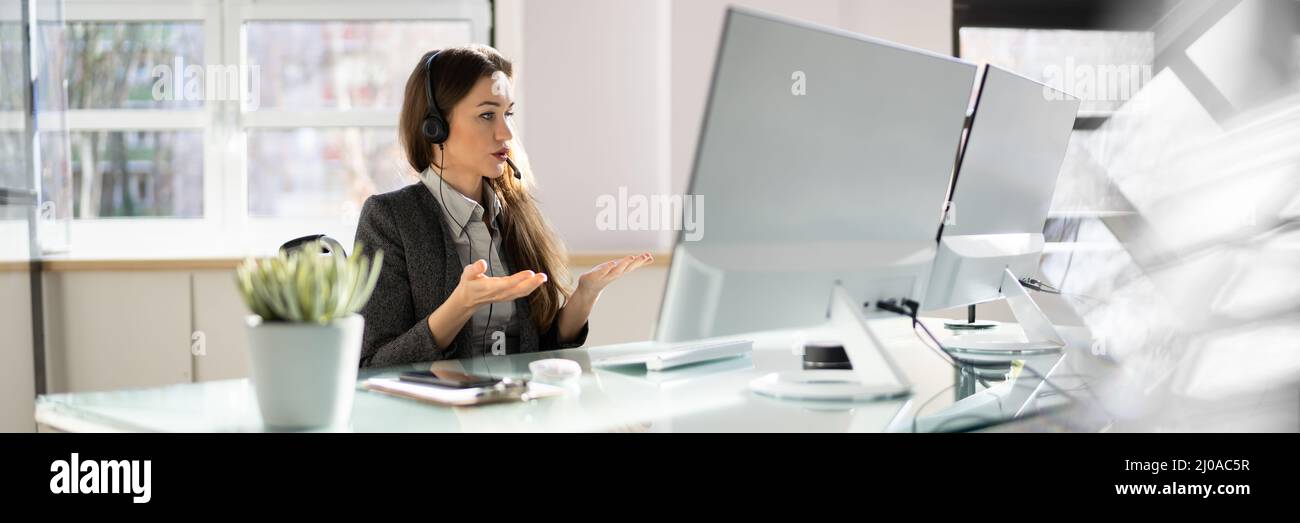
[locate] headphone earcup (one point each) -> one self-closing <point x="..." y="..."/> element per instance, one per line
<point x="434" y="129"/>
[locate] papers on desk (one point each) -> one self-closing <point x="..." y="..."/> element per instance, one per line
<point x="451" y="397"/>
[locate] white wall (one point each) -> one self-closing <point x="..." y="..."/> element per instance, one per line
<point x="595" y="84"/>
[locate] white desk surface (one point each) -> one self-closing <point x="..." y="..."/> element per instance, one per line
<point x="712" y="397"/>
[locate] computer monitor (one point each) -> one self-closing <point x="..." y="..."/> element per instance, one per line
<point x="1001" y="191"/>
<point x="823" y="161"/>
<point x="824" y="156"/>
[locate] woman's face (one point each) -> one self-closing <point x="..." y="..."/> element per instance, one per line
<point x="481" y="128"/>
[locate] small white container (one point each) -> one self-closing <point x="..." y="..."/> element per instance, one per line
<point x="305" y="373"/>
<point x="555" y="371"/>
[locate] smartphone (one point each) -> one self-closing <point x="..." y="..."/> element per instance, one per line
<point x="448" y="378"/>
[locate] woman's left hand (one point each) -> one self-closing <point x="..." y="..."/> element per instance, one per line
<point x="595" y="280"/>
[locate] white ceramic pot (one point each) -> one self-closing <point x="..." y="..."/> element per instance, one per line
<point x="304" y="373"/>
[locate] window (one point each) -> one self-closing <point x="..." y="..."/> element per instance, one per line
<point x="134" y="173"/>
<point x="335" y="169"/>
<point x="329" y="96"/>
<point x="252" y="120"/>
<point x="133" y="153"/>
<point x="12" y="105"/>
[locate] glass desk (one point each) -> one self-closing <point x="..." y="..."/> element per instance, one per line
<point x="711" y="397"/>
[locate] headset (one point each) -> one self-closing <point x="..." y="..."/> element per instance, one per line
<point x="436" y="130"/>
<point x="434" y="127"/>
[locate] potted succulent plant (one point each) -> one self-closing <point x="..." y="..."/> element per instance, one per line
<point x="304" y="336"/>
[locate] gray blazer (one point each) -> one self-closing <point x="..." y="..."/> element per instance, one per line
<point x="421" y="268"/>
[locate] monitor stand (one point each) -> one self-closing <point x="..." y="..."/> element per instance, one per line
<point x="875" y="376"/>
<point x="970" y="324"/>
<point x="1040" y="337"/>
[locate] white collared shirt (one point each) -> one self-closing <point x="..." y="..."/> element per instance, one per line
<point x="472" y="237"/>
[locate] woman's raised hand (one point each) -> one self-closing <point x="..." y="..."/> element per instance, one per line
<point x="596" y="279"/>
<point x="477" y="288"/>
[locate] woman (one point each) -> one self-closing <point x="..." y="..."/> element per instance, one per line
<point x="471" y="267"/>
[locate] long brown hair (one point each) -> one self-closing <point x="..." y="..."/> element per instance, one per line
<point x="529" y="239"/>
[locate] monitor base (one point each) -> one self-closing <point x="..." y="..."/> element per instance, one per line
<point x="963" y="325"/>
<point x="827" y="384"/>
<point x="874" y="376"/>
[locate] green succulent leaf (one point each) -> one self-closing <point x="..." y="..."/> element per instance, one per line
<point x="305" y="286"/>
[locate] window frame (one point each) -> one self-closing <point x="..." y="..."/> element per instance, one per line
<point x="225" y="226"/>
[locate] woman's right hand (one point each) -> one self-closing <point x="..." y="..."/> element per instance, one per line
<point x="477" y="288"/>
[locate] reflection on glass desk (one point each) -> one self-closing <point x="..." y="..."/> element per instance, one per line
<point x="710" y="397"/>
